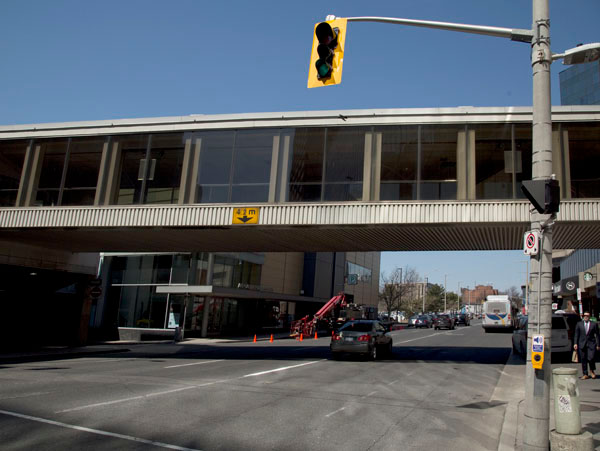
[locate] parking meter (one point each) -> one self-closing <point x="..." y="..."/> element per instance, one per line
<point x="537" y="351"/>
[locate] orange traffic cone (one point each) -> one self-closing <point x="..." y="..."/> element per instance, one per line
<point x="300" y="337"/>
<point x="271" y="340"/>
<point x="315" y="335"/>
<point x="254" y="338"/>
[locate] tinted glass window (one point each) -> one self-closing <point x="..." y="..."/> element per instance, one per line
<point x="399" y="163"/>
<point x="306" y="171"/>
<point x="558" y="323"/>
<point x="344" y="164"/>
<point x="357" y="327"/>
<point x="12" y="154"/>
<point x="438" y="161"/>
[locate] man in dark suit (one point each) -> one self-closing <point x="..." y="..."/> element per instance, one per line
<point x="586" y="341"/>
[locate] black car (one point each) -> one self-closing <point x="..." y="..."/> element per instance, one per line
<point x="463" y="318"/>
<point x="443" y="321"/>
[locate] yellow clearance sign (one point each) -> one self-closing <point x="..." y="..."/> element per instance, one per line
<point x="246" y="215"/>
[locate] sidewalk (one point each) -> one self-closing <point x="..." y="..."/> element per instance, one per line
<point x="510" y="389"/>
<point x="113" y="347"/>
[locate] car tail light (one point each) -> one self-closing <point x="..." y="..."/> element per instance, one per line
<point x="336" y="337"/>
<point x="364" y="338"/>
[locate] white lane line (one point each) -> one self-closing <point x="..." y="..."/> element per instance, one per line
<point x="420" y="338"/>
<point x="196" y="363"/>
<point x="26" y="395"/>
<point x="334" y="412"/>
<point x="189" y="387"/>
<point x="96" y="431"/>
<point x="149" y="395"/>
<point x="281" y="369"/>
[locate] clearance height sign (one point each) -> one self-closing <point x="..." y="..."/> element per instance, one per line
<point x="245" y="215"/>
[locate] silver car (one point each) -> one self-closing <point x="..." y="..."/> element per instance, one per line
<point x="366" y="337"/>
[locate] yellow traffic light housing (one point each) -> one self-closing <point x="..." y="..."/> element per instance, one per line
<point x="327" y="55"/>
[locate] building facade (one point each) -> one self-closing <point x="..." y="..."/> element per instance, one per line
<point x="453" y="157"/>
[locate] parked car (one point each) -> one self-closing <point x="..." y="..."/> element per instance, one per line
<point x="412" y="320"/>
<point x="367" y="337"/>
<point x="443" y="322"/>
<point x="572" y="319"/>
<point x="463" y="318"/>
<point x="560" y="335"/>
<point x="423" y="321"/>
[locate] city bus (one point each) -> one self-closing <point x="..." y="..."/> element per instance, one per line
<point x="499" y="313"/>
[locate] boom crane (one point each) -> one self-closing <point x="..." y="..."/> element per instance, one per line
<point x="307" y="325"/>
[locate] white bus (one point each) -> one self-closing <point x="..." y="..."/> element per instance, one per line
<point x="499" y="313"/>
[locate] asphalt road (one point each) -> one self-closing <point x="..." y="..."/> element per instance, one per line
<point x="434" y="392"/>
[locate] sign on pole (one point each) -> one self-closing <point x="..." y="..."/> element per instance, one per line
<point x="531" y="241"/>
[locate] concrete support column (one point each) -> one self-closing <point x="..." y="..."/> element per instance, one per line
<point x="209" y="281"/>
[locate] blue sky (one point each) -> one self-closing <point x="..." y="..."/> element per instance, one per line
<point x="83" y="60"/>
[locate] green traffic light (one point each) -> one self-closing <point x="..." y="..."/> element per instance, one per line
<point x="323" y="69"/>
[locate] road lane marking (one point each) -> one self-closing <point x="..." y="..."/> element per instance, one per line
<point x="26" y="395"/>
<point x="334" y="412"/>
<point x="96" y="431"/>
<point x="189" y="387"/>
<point x="196" y="363"/>
<point x="133" y="398"/>
<point x="282" y="369"/>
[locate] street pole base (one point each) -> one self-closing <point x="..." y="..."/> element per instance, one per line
<point x="578" y="442"/>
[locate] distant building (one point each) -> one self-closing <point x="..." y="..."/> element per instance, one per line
<point x="473" y="299"/>
<point x="575" y="274"/>
<point x="580" y="84"/>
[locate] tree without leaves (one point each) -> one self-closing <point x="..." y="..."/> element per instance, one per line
<point x="397" y="290"/>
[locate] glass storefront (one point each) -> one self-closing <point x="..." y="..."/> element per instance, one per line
<point x="134" y="278"/>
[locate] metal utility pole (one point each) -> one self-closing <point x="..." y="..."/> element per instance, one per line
<point x="445" y="292"/>
<point x="537" y="382"/>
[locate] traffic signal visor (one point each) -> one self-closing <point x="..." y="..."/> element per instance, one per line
<point x="327" y="53"/>
<point x="543" y="194"/>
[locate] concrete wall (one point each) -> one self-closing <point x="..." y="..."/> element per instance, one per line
<point x="282" y="272"/>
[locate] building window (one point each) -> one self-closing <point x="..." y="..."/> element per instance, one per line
<point x="151" y="167"/>
<point x="584" y="154"/>
<point x="164" y="178"/>
<point x="438" y="162"/>
<point x="306" y="171"/>
<point x="493" y="148"/>
<point x="344" y="161"/>
<point x="235" y="166"/>
<point x="69" y="171"/>
<point x="12" y="155"/>
<point x="399" y="149"/>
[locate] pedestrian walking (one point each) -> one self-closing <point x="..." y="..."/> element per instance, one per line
<point x="587" y="341"/>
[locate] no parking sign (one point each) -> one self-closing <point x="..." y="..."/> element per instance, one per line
<point x="531" y="242"/>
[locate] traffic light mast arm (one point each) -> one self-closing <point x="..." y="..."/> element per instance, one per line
<point x="510" y="33"/>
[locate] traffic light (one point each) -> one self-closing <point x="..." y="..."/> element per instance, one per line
<point x="543" y="194"/>
<point x="327" y="55"/>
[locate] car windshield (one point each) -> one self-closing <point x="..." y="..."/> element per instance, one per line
<point x="423" y="317"/>
<point x="558" y="322"/>
<point x="443" y="316"/>
<point x="357" y="327"/>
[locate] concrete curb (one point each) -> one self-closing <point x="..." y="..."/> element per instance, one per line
<point x="510" y="390"/>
